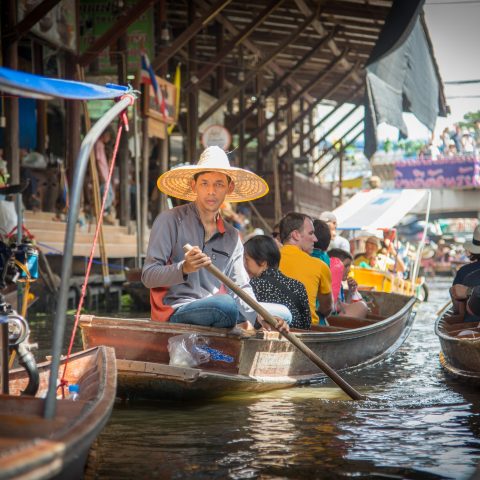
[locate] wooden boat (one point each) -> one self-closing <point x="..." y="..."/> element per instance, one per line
<point x="460" y="347"/>
<point x="244" y="361"/>
<point x="32" y="447"/>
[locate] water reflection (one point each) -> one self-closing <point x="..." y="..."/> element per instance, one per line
<point x="416" y="424"/>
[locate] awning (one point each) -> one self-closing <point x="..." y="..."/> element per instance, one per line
<point x="43" y="88"/>
<point x="377" y="208"/>
<point x="402" y="74"/>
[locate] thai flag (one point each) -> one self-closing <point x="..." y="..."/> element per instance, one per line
<point x="148" y="77"/>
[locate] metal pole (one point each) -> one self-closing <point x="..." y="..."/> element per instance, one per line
<point x="77" y="185"/>
<point x="416" y="265"/>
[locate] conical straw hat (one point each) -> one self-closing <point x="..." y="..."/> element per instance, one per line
<point x="177" y="181"/>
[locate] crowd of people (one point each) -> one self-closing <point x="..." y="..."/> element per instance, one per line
<point x="454" y="141"/>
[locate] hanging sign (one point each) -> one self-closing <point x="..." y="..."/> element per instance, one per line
<point x="216" y="135"/>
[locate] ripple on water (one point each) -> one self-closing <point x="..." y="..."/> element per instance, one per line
<point x="416" y="424"/>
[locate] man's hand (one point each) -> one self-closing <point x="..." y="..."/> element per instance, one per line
<point x="282" y="325"/>
<point x="458" y="292"/>
<point x="195" y="259"/>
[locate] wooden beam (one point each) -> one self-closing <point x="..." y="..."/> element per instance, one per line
<point x="266" y="61"/>
<point x="255" y="49"/>
<point x="323" y="119"/>
<point x="317" y="25"/>
<point x="115" y="31"/>
<point x="277" y="83"/>
<point x="331" y="129"/>
<point x="350" y="130"/>
<point x="350" y="142"/>
<point x="329" y="92"/>
<point x="229" y="46"/>
<point x="306" y="88"/>
<point x="167" y="53"/>
<point x="33" y="17"/>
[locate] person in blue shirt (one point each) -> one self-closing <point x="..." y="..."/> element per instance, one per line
<point x="324" y="236"/>
<point x="473" y="249"/>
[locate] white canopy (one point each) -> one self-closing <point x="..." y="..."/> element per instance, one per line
<point x="377" y="208"/>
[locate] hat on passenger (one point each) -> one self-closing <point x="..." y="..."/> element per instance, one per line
<point x="328" y="217"/>
<point x="373" y="240"/>
<point x="177" y="181"/>
<point x="473" y="245"/>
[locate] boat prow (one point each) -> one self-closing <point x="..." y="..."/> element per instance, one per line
<point x="460" y="347"/>
<point x="32" y="447"/>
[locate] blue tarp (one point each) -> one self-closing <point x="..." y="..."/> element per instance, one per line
<point x="35" y="86"/>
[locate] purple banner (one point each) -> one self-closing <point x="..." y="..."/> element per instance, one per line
<point x="444" y="172"/>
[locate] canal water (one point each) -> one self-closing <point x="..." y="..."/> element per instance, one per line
<point x="416" y="424"/>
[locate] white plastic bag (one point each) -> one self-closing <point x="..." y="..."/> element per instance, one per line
<point x="186" y="350"/>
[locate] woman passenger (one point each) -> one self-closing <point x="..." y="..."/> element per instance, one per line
<point x="282" y="296"/>
<point x="347" y="303"/>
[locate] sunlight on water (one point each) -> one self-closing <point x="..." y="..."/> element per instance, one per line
<point x="416" y="424"/>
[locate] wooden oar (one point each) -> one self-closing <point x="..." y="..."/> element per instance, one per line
<point x="291" y="337"/>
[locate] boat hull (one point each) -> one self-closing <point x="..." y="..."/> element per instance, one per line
<point x="32" y="447"/>
<point x="460" y="355"/>
<point x="258" y="361"/>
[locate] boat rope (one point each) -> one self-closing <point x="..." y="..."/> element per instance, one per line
<point x="123" y="123"/>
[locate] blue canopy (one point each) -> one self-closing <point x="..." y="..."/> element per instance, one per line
<point x="35" y="86"/>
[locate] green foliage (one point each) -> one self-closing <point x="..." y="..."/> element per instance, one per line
<point x="469" y="119"/>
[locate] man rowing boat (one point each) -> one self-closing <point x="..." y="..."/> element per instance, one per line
<point x="181" y="290"/>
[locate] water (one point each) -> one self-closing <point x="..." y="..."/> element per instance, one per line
<point x="417" y="424"/>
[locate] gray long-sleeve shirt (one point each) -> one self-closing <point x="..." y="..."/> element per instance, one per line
<point x="174" y="228"/>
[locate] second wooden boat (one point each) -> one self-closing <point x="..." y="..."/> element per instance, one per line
<point x="243" y="361"/>
<point x="33" y="447"/>
<point x="460" y="347"/>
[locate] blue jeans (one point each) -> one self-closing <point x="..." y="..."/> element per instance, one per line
<point x="218" y="311"/>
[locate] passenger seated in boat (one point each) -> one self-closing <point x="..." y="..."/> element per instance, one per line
<point x="372" y="257"/>
<point x="324" y="236"/>
<point x="298" y="236"/>
<point x="466" y="302"/>
<point x="282" y="296"/>
<point x="369" y="259"/>
<point x="347" y="303"/>
<point x="181" y="291"/>
<point x="472" y="248"/>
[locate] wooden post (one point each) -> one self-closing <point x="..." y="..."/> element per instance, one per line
<point x="73" y="117"/>
<point x="41" y="104"/>
<point x="340" y="175"/>
<point x="260" y="120"/>
<point x="192" y="112"/>
<point x="10" y="56"/>
<point x="145" y="203"/>
<point x="165" y="151"/>
<point x="241" y="106"/>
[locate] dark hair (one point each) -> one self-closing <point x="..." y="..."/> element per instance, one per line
<point x="340" y="253"/>
<point x="323" y="234"/>
<point x="290" y="222"/>
<point x="263" y="248"/>
<point x="195" y="177"/>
